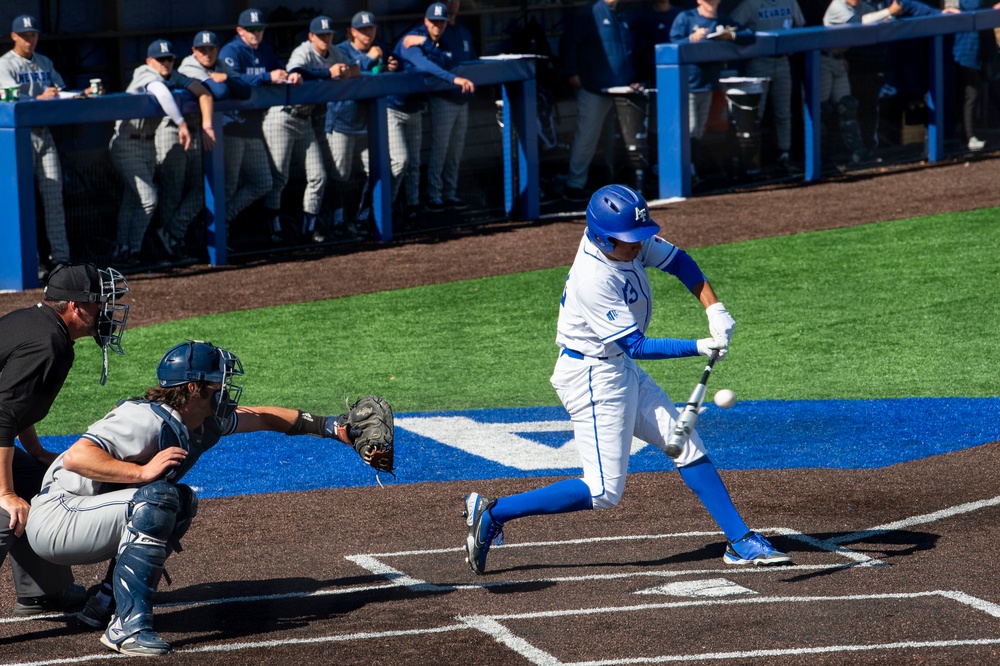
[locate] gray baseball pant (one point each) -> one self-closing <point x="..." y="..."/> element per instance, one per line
<point x="285" y="135"/>
<point x="48" y="178"/>
<point x="449" y="123"/>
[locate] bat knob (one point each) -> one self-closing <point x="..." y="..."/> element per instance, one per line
<point x="673" y="450"/>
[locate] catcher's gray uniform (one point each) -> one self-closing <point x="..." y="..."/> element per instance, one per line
<point x="32" y="77"/>
<point x="767" y="16"/>
<point x="296" y="130"/>
<point x="75" y="520"/>
<point x="134" y="155"/>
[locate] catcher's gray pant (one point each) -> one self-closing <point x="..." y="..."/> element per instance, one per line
<point x="182" y="191"/>
<point x="449" y="123"/>
<point x="77" y="529"/>
<point x="699" y="105"/>
<point x="779" y="91"/>
<point x="33" y="575"/>
<point x="592" y="110"/>
<point x="405" y="138"/>
<point x="134" y="155"/>
<point x="248" y="172"/>
<point x="833" y="82"/>
<point x="287" y="134"/>
<point x="48" y="178"/>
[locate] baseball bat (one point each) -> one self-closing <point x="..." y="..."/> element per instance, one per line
<point x="689" y="415"/>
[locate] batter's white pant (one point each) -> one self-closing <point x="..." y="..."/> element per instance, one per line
<point x="779" y="91"/>
<point x="699" y="106"/>
<point x="833" y="82"/>
<point x="75" y="529"/>
<point x="248" y="173"/>
<point x="134" y="155"/>
<point x="286" y="135"/>
<point x="405" y="138"/>
<point x="609" y="403"/>
<point x="48" y="179"/>
<point x="182" y="189"/>
<point x="449" y="123"/>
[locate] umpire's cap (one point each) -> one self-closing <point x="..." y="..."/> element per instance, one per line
<point x="74" y="282"/>
<point x="205" y="38"/>
<point x="363" y="20"/>
<point x="437" y="12"/>
<point x="321" y="25"/>
<point x="251" y="18"/>
<point x="25" y="23"/>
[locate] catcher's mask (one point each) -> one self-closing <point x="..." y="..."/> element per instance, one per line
<point x="619" y="212"/>
<point x="197" y="361"/>
<point x="85" y="283"/>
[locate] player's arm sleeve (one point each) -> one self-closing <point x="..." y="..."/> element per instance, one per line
<point x="162" y="93"/>
<point x="798" y="18"/>
<point x="680" y="31"/>
<point x="678" y="263"/>
<point x="8" y="77"/>
<point x="915" y="8"/>
<point x="424" y="64"/>
<point x="57" y="80"/>
<point x="638" y="346"/>
<point x="239" y="87"/>
<point x="743" y="35"/>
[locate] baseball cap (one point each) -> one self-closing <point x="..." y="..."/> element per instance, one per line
<point x="437" y="12"/>
<point x="205" y="38"/>
<point x="363" y="20"/>
<point x="321" y="25"/>
<point x="74" y="282"/>
<point x="25" y="23"/>
<point x="161" y="48"/>
<point x="252" y="18"/>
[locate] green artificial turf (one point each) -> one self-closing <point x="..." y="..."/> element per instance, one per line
<point x="904" y="308"/>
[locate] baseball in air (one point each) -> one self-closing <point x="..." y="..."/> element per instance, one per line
<point x="725" y="398"/>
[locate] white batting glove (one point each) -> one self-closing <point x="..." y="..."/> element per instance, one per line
<point x="708" y="345"/>
<point x="720" y="322"/>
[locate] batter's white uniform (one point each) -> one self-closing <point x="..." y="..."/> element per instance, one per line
<point x="32" y="77"/>
<point x="76" y="520"/>
<point x="768" y="16"/>
<point x="608" y="396"/>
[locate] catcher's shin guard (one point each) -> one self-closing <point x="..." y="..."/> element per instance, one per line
<point x="141" y="556"/>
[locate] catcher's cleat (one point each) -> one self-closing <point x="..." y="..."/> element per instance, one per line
<point x="483" y="530"/>
<point x="754" y="549"/>
<point x="145" y="643"/>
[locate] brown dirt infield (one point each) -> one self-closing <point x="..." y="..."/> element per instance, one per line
<point x="266" y="579"/>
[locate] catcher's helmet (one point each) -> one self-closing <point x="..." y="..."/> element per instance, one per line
<point x="197" y="361"/>
<point x="619" y="212"/>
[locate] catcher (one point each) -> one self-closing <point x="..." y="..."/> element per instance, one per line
<point x="114" y="494"/>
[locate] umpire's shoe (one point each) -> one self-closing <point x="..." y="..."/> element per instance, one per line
<point x="483" y="530"/>
<point x="95" y="613"/>
<point x="68" y="601"/>
<point x="145" y="643"/>
<point x="754" y="549"/>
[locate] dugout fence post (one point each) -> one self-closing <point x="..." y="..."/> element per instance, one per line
<point x="812" y="118"/>
<point x="216" y="224"/>
<point x="935" y="100"/>
<point x="672" y="112"/>
<point x="520" y="132"/>
<point x="19" y="249"/>
<point x="379" y="164"/>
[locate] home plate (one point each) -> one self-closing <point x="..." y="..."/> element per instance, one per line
<point x="709" y="587"/>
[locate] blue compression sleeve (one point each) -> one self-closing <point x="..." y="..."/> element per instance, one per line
<point x="636" y="345"/>
<point x="685" y="269"/>
<point x="559" y="497"/>
<point x="703" y="479"/>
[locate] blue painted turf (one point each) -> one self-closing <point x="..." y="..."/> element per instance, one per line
<point x="765" y="434"/>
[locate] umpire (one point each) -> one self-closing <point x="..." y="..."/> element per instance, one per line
<point x="36" y="353"/>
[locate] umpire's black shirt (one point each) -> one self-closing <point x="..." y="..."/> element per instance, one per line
<point x="36" y="354"/>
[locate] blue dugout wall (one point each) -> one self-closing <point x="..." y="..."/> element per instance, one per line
<point x="18" y="250"/>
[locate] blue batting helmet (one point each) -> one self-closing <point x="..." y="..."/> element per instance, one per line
<point x="619" y="212"/>
<point x="197" y="361"/>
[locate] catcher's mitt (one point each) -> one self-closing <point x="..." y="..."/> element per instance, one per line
<point x="369" y="428"/>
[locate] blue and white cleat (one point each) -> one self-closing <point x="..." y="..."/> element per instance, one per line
<point x="483" y="530"/>
<point x="143" y="643"/>
<point x="754" y="549"/>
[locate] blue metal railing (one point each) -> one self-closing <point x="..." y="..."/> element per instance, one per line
<point x="18" y="250"/>
<point x="672" y="61"/>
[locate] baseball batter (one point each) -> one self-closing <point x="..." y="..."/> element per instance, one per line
<point x="296" y="130"/>
<point x="115" y="492"/>
<point x="133" y="151"/>
<point x="605" y="310"/>
<point x="35" y="78"/>
<point x="768" y="16"/>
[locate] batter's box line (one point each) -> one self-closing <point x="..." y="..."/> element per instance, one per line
<point x="492" y="626"/>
